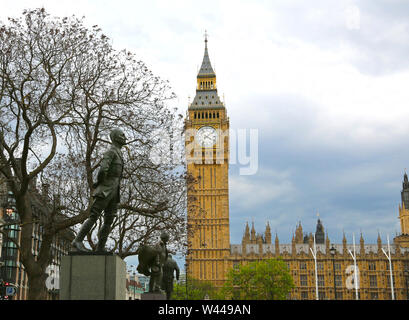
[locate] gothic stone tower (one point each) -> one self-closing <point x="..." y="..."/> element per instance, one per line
<point x="403" y="238"/>
<point x="207" y="160"/>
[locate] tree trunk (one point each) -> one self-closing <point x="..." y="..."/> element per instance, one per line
<point x="37" y="289"/>
<point x="36" y="276"/>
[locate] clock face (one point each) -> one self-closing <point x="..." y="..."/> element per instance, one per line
<point x="206" y="137"/>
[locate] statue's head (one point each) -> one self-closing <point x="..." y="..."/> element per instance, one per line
<point x="164" y="236"/>
<point x="117" y="137"/>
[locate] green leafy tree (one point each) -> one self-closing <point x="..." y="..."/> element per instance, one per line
<point x="196" y="290"/>
<point x="259" y="280"/>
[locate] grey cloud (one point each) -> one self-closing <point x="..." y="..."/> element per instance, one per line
<point x="380" y="44"/>
<point x="352" y="185"/>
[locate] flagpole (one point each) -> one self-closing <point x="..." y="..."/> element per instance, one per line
<point x="355" y="267"/>
<point x="390" y="267"/>
<point x="314" y="254"/>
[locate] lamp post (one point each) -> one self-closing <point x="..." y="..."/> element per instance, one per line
<point x="133" y="282"/>
<point x="333" y="251"/>
<point x="186" y="279"/>
<point x="314" y="254"/>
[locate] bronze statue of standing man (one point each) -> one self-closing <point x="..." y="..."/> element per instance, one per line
<point x="106" y="193"/>
<point x="169" y="268"/>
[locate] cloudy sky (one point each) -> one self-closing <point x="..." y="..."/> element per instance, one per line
<point x="325" y="83"/>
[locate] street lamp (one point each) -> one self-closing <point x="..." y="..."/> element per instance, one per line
<point x="133" y="282"/>
<point x="186" y="279"/>
<point x="333" y="251"/>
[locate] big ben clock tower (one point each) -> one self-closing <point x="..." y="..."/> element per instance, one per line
<point x="207" y="159"/>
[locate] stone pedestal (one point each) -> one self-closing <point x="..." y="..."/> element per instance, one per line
<point x="153" y="296"/>
<point x="92" y="277"/>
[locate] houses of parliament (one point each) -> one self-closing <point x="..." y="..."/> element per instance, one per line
<point x="211" y="255"/>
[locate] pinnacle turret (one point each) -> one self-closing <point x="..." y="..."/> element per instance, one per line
<point x="206" y="70"/>
<point x="405" y="191"/>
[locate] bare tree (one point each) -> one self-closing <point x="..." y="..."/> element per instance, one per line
<point x="63" y="87"/>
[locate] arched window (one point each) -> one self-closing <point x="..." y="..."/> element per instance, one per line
<point x="198" y="115"/>
<point x="195" y="115"/>
<point x="217" y="115"/>
<point x="210" y="115"/>
<point x="206" y="115"/>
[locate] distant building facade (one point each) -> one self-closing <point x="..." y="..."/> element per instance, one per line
<point x="134" y="288"/>
<point x="12" y="270"/>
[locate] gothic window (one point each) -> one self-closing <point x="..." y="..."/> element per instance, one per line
<point x="373" y="283"/>
<point x="213" y="115"/>
<point x="303" y="266"/>
<point x="195" y="115"/>
<point x="338" y="281"/>
<point x="210" y="115"/>
<point x="372" y="266"/>
<point x="217" y="115"/>
<point x="320" y="266"/>
<point x="337" y="266"/>
<point x="303" y="280"/>
<point x="321" y="281"/>
<point x="304" y="295"/>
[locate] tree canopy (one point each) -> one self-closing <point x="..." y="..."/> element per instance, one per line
<point x="259" y="280"/>
<point x="195" y="290"/>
